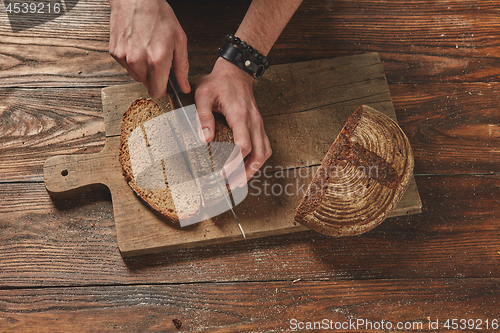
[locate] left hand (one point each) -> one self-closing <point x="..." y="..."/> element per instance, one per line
<point x="228" y="90"/>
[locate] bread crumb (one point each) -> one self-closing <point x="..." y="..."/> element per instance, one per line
<point x="177" y="323"/>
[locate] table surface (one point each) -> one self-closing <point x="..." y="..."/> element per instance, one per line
<point x="60" y="268"/>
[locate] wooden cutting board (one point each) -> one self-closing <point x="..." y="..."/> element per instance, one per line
<point x="304" y="106"/>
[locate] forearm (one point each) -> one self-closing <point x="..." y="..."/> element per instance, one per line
<point x="264" y="22"/>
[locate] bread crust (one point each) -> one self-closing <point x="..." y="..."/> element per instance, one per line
<point x="369" y="141"/>
<point x="140" y="111"/>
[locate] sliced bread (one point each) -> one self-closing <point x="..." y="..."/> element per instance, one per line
<point x="163" y="200"/>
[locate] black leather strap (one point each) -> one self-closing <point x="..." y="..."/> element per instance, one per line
<point x="242" y="59"/>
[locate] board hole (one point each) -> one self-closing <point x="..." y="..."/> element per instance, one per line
<point x="64" y="173"/>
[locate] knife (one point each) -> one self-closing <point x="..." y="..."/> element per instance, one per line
<point x="176" y="90"/>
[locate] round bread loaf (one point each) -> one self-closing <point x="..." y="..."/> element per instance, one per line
<point x="363" y="176"/>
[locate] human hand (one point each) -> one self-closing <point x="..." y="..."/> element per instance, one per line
<point x="147" y="39"/>
<point x="228" y="90"/>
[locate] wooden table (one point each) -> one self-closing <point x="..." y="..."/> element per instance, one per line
<point x="60" y="268"/>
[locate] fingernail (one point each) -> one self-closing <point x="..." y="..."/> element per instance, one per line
<point x="205" y="134"/>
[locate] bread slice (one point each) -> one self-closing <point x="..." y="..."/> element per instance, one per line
<point x="363" y="176"/>
<point x="161" y="200"/>
<point x="188" y="199"/>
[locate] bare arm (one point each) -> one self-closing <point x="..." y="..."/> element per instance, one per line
<point x="264" y="22"/>
<point x="228" y="89"/>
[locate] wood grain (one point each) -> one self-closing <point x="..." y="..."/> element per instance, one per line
<point x="73" y="242"/>
<point x="446" y="41"/>
<point x="39" y="123"/>
<point x="453" y="128"/>
<point x="267" y="306"/>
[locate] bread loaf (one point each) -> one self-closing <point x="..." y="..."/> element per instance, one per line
<point x="361" y="179"/>
<point x="161" y="200"/>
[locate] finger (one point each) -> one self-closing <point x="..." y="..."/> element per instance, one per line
<point x="252" y="146"/>
<point x="261" y="151"/>
<point x="132" y="73"/>
<point x="157" y="75"/>
<point x="234" y="169"/>
<point x="136" y="65"/>
<point x="242" y="137"/>
<point x="120" y="56"/>
<point x="181" y="64"/>
<point x="238" y="178"/>
<point x="205" y="118"/>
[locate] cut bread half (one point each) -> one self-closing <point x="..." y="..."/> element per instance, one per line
<point x="363" y="176"/>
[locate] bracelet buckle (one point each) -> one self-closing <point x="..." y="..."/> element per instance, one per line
<point x="244" y="56"/>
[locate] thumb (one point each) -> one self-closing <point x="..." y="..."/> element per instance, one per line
<point x="205" y="119"/>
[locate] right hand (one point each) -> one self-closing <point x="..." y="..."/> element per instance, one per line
<point x="147" y="39"/>
<point x="228" y="90"/>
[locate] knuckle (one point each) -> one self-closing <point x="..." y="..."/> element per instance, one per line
<point x="153" y="62"/>
<point x="132" y="59"/>
<point x="257" y="119"/>
<point x="202" y="90"/>
<point x="262" y="155"/>
<point x="112" y="49"/>
<point x="182" y="37"/>
<point x="268" y="153"/>
<point x="205" y="116"/>
<point x="116" y="52"/>
<point x="245" y="147"/>
<point x="156" y="58"/>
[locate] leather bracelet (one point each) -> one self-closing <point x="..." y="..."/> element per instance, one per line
<point x="244" y="56"/>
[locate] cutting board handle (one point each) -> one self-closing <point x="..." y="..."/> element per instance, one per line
<point x="69" y="175"/>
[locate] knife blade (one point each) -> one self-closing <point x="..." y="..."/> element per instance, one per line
<point x="176" y="90"/>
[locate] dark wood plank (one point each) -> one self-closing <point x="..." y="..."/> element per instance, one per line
<point x="448" y="41"/>
<point x="73" y="242"/>
<point x="453" y="128"/>
<point x="254" y="307"/>
<point x="70" y="50"/>
<point x="445" y="41"/>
